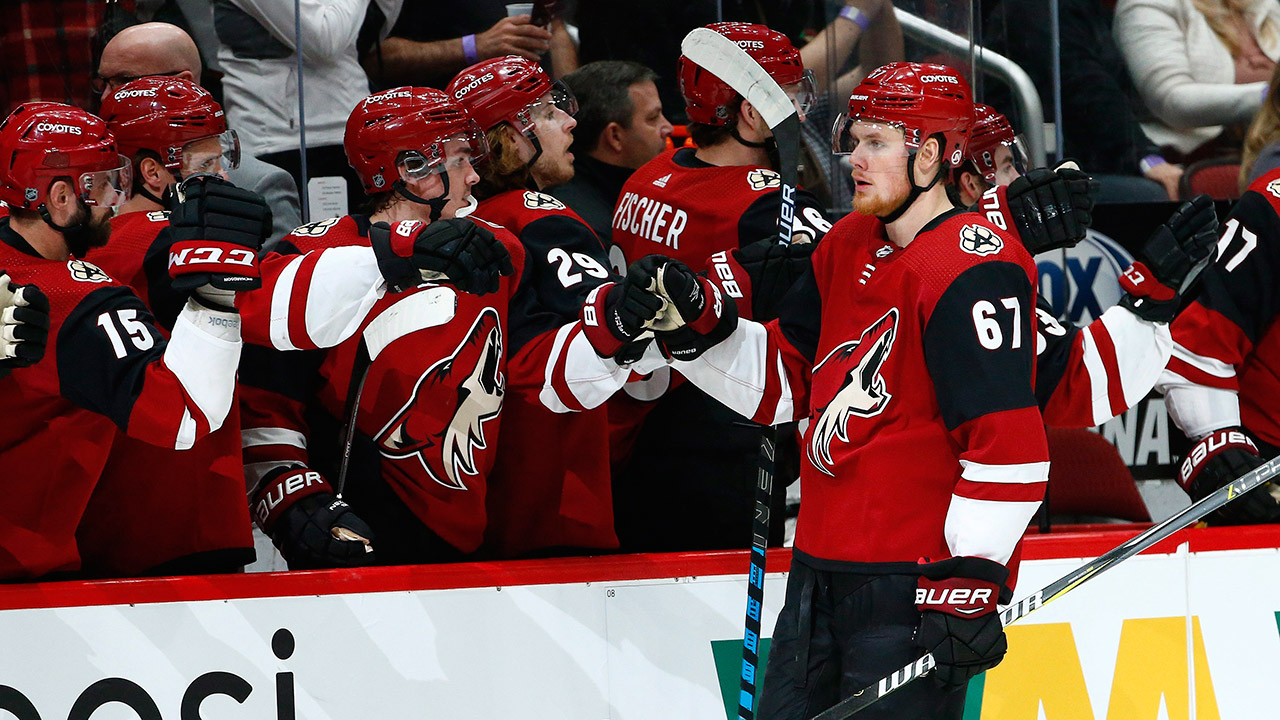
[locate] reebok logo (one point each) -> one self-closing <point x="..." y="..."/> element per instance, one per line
<point x="475" y="83"/>
<point x="126" y="94"/>
<point x="59" y="128"/>
<point x="662" y="181"/>
<point x="954" y="598"/>
<point x="940" y="79"/>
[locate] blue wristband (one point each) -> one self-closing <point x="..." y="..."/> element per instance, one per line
<point x="469" y="50"/>
<point x="1149" y="162"/>
<point x="855" y="16"/>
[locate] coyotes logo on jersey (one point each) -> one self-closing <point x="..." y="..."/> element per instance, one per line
<point x="862" y="392"/>
<point x="445" y="439"/>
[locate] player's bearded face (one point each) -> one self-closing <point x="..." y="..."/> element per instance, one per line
<point x="879" y="168"/>
<point x="554" y="128"/>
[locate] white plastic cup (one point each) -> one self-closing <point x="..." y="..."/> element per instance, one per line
<point x="515" y="9"/>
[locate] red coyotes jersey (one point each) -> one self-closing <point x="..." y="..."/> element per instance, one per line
<point x="183" y="503"/>
<point x="914" y="368"/>
<point x="106" y="367"/>
<point x="550" y="484"/>
<point x="1226" y="339"/>
<point x="429" y="413"/>
<point x="681" y="207"/>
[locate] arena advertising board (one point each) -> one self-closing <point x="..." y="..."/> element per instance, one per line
<point x="1149" y="640"/>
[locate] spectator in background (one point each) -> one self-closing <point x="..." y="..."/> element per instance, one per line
<point x="1100" y="126"/>
<point x="260" y="84"/>
<point x="1262" y="142"/>
<point x="433" y="40"/>
<point x="1199" y="65"/>
<point x="620" y="127"/>
<point x="164" y="49"/>
<point x="47" y="50"/>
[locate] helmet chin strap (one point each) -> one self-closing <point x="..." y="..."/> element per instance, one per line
<point x="915" y="191"/>
<point x="165" y="200"/>
<point x="769" y="144"/>
<point x="537" y="153"/>
<point x="77" y="235"/>
<point x="436" y="204"/>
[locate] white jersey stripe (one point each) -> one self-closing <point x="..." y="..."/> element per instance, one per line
<point x="1018" y="473"/>
<point x="254" y="437"/>
<point x="986" y="528"/>
<point x="1142" y="350"/>
<point x="1098" y="385"/>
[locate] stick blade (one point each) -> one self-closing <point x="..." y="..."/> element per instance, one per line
<point x="722" y="57"/>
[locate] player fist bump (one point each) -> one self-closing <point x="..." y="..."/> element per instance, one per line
<point x="619" y="314"/>
<point x="308" y="524"/>
<point x="24" y="324"/>
<point x="455" y="250"/>
<point x="959" y="624"/>
<point x="217" y="230"/>
<point x="696" y="315"/>
<point x="1172" y="260"/>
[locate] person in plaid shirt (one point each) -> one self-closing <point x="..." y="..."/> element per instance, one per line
<point x="48" y="48"/>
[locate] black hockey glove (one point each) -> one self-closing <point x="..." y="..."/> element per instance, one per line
<point x="761" y="272"/>
<point x="1171" y="261"/>
<point x="959" y="624"/>
<point x="24" y="324"/>
<point x="1049" y="209"/>
<point x="696" y="316"/>
<point x="616" y="315"/>
<point x="1221" y="457"/>
<point x="217" y="230"/>
<point x="454" y="250"/>
<point x="309" y="525"/>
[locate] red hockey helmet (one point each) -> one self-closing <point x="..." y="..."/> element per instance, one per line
<point x="992" y="131"/>
<point x="168" y="116"/>
<point x="402" y="134"/>
<point x="43" y="141"/>
<point x="921" y="99"/>
<point x="507" y="89"/>
<point x="709" y="100"/>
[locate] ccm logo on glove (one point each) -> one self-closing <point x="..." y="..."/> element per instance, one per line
<point x="187" y="254"/>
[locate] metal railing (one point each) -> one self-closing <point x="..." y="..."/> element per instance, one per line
<point x="1025" y="94"/>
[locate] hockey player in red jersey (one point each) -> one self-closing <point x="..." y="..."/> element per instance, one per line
<point x="425" y="380"/>
<point x="1221" y="384"/>
<point x="909" y="347"/>
<point x="550" y="486"/>
<point x="1087" y="375"/>
<point x="107" y="365"/>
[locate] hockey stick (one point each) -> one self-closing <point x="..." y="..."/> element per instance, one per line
<point x="721" y="57"/>
<point x="1135" y="545"/>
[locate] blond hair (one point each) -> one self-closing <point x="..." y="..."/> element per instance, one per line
<point x="1221" y="15"/>
<point x="502" y="169"/>
<point x="1264" y="130"/>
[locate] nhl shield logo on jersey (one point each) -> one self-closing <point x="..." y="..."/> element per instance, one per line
<point x="443" y="424"/>
<point x="762" y="179"/>
<point x="82" y="271"/>
<point x="541" y="201"/>
<point x="979" y="240"/>
<point x="862" y="391"/>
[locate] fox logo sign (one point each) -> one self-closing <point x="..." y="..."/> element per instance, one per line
<point x="862" y="393"/>
<point x="442" y="437"/>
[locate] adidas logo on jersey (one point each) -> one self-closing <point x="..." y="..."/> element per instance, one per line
<point x="979" y="240"/>
<point x="762" y="179"/>
<point x="662" y="181"/>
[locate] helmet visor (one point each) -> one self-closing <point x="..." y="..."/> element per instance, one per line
<point x="555" y="107"/>
<point x="802" y="94"/>
<point x="1005" y="162"/>
<point x="866" y="138"/>
<point x="107" y="188"/>
<point x="465" y="148"/>
<point x="212" y="155"/>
